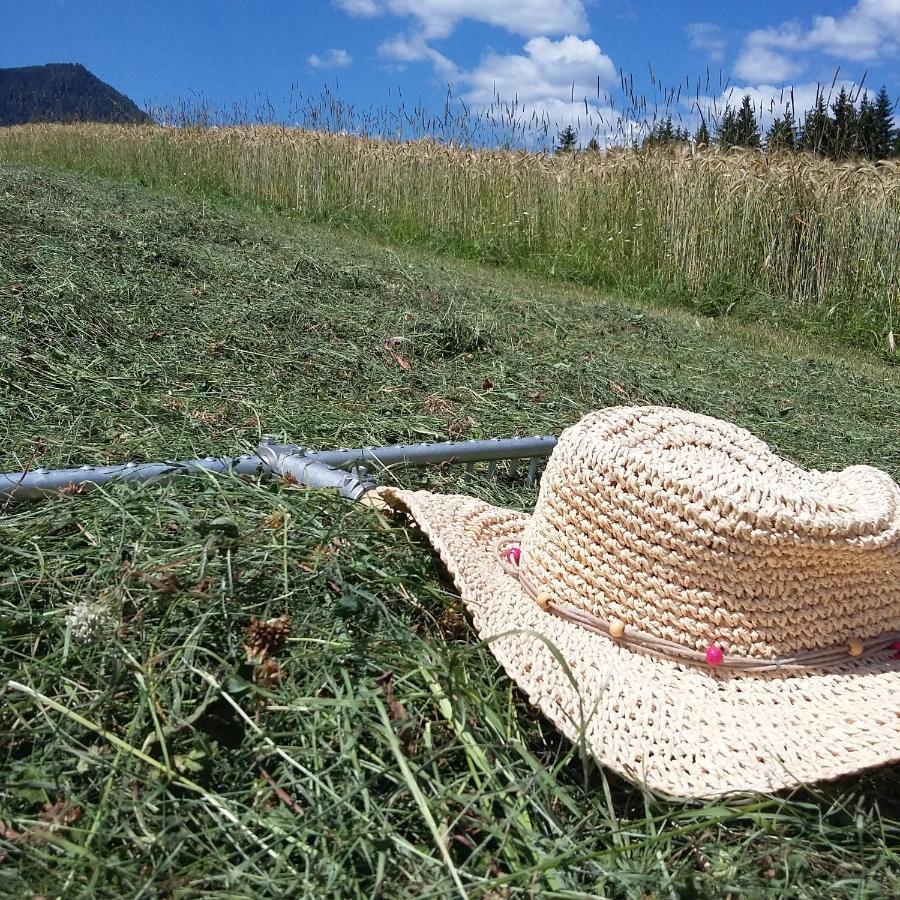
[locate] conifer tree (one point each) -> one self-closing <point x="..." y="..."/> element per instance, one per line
<point x="748" y="128"/>
<point x="816" y="135"/>
<point x="884" y="125"/>
<point x="593" y="145"/>
<point x="727" y="130"/>
<point x="866" y="127"/>
<point x="701" y="138"/>
<point x="567" y="140"/>
<point x="739" y="128"/>
<point x="665" y="134"/>
<point x="662" y="133"/>
<point x="844" y="130"/>
<point x="782" y="135"/>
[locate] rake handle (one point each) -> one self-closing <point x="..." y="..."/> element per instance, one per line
<point x="315" y="468"/>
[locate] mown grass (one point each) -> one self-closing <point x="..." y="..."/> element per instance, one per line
<point x="791" y="240"/>
<point x="144" y="756"/>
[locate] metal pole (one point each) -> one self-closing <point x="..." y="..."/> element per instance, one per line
<point x="429" y="454"/>
<point x="315" y="474"/>
<point x="285" y="459"/>
<point x="40" y="482"/>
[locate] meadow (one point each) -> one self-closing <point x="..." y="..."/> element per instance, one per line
<point x="384" y="754"/>
<point x="789" y="240"/>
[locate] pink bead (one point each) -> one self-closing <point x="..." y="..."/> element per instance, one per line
<point x="895" y="645"/>
<point x="513" y="555"/>
<point x="714" y="655"/>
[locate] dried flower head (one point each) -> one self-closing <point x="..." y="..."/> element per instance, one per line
<point x="275" y="519"/>
<point x="264" y="637"/>
<point x="268" y="674"/>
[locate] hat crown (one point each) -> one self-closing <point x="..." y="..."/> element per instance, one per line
<point x="691" y="529"/>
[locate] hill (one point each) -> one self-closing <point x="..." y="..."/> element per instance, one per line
<point x="790" y="240"/>
<point x="62" y="92"/>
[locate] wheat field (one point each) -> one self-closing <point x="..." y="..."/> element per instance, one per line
<point x="792" y="241"/>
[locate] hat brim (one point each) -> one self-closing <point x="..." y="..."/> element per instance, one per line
<point x="683" y="731"/>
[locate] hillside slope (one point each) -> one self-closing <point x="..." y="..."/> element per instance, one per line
<point x="62" y="92"/>
<point x="383" y="753"/>
<point x="134" y="285"/>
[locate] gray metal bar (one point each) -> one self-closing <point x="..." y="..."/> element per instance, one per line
<point x="41" y="482"/>
<point x="315" y="474"/>
<point x="428" y="454"/>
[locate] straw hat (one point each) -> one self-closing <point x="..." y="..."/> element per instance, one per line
<point x="705" y="616"/>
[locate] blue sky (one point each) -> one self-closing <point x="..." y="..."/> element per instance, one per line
<point x="542" y="51"/>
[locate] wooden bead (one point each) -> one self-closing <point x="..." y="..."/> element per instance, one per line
<point x="542" y="600"/>
<point x="855" y="647"/>
<point x="616" y="628"/>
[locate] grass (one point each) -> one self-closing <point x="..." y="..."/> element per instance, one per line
<point x="385" y="755"/>
<point x="792" y="241"/>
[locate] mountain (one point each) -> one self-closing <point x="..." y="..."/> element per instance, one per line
<point x="62" y="92"/>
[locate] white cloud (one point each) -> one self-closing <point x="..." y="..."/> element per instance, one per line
<point x="438" y="18"/>
<point x="708" y="37"/>
<point x="869" y="30"/>
<point x="359" y="7"/>
<point x="551" y="80"/>
<point x="413" y="48"/>
<point x="759" y="62"/>
<point x="767" y="53"/>
<point x="333" y="59"/>
<point x="431" y="20"/>
<point x="548" y="70"/>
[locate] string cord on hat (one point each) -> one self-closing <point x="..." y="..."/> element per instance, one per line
<point x="651" y="644"/>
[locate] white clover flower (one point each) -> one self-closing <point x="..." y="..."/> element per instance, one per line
<point x="89" y="620"/>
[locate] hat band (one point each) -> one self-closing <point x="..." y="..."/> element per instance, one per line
<point x="643" y="642"/>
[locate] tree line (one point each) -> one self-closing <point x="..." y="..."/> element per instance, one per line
<point x="847" y="128"/>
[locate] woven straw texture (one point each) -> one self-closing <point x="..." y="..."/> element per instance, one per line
<point x="691" y="529"/>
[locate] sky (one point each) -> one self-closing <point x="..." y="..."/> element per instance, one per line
<point x="543" y="53"/>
